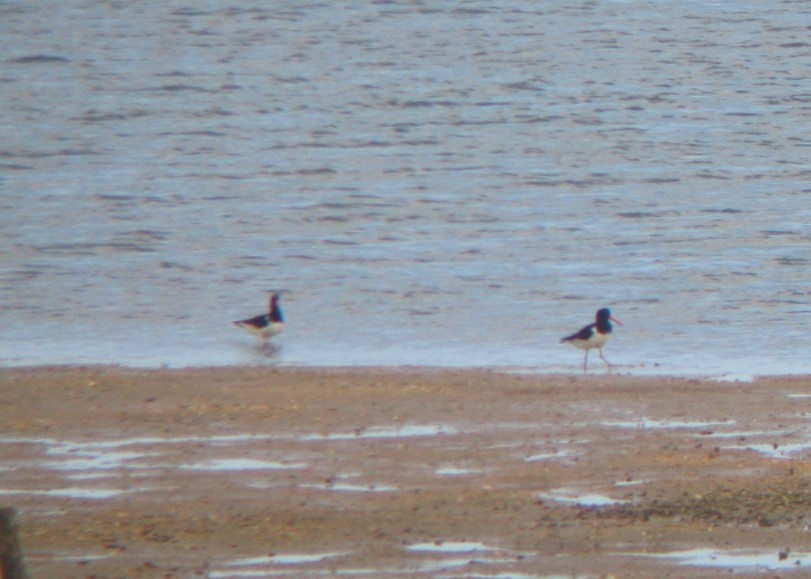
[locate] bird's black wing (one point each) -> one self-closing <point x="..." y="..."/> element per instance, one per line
<point x="256" y="321"/>
<point x="584" y="334"/>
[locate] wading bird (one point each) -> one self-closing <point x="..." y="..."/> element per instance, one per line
<point x="594" y="335"/>
<point x="266" y="325"/>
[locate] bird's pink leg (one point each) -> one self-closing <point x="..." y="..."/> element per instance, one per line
<point x="607" y="363"/>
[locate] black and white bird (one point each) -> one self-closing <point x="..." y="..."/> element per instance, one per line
<point x="266" y="325"/>
<point x="594" y="335"/>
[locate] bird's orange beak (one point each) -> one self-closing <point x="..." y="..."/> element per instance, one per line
<point x="615" y="320"/>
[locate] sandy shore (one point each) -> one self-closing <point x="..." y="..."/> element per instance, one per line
<point x="236" y="472"/>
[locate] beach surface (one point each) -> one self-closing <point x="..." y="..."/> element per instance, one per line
<point x="262" y="471"/>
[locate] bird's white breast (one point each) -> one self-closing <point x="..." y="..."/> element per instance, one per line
<point x="595" y="341"/>
<point x="272" y="329"/>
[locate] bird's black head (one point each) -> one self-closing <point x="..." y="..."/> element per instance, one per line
<point x="603" y="321"/>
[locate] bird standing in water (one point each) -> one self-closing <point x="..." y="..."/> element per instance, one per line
<point x="594" y="335"/>
<point x="266" y="325"/>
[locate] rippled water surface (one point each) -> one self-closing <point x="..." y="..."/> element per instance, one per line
<point x="452" y="183"/>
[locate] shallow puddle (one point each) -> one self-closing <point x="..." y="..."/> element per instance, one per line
<point x="629" y="483"/>
<point x="292" y="559"/>
<point x="455" y="471"/>
<point x="737" y="559"/>
<point x="71" y="493"/>
<point x="774" y="450"/>
<point x="546" y="456"/>
<point x="344" y="487"/>
<point x="450" y="547"/>
<point x="443" y="564"/>
<point x="91" y="475"/>
<point x="652" y="423"/>
<point x="478" y="553"/>
<point x="230" y="464"/>
<point x="262" y="566"/>
<point x="408" y="431"/>
<point x="742" y="434"/>
<point x="69" y="558"/>
<point x="579" y="498"/>
<point x="96" y="460"/>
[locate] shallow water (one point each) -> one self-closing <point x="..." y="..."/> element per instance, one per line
<point x="443" y="185"/>
<point x="118" y="461"/>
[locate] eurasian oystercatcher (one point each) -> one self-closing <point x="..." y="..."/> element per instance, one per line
<point x="594" y="335"/>
<point x="266" y="325"/>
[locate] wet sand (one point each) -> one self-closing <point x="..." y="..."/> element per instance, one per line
<point x="235" y="472"/>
